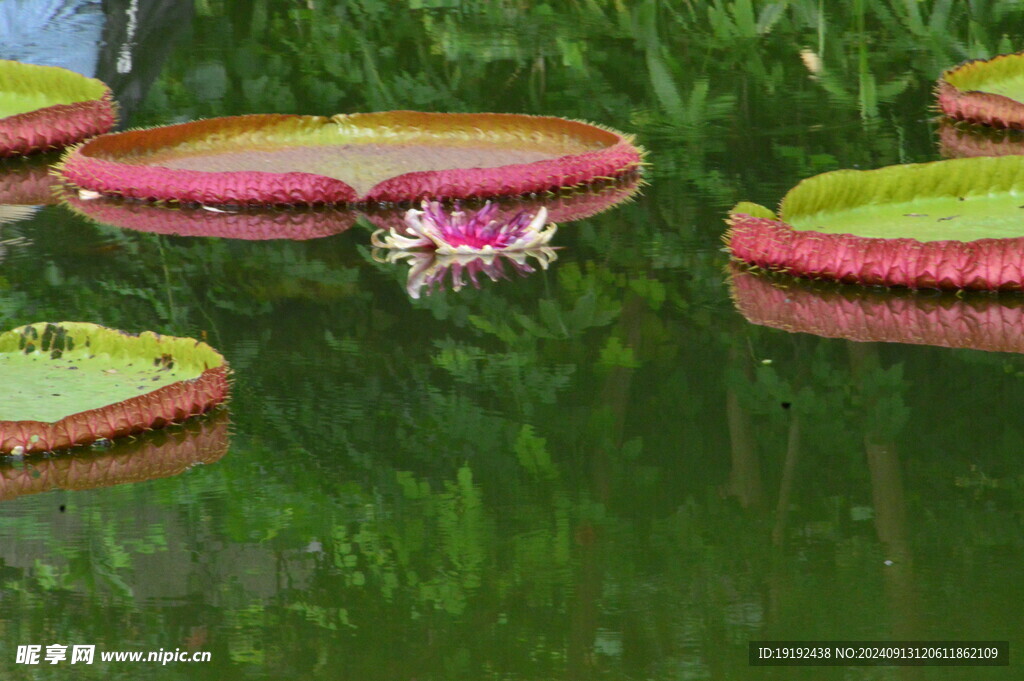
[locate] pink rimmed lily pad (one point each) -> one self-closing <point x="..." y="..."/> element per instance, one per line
<point x="73" y="383"/>
<point x="159" y="454"/>
<point x="563" y="207"/>
<point x="305" y="222"/>
<point x="46" y="107"/>
<point x="396" y="156"/>
<point x="985" y="91"/>
<point x="976" y="321"/>
<point x="955" y="224"/>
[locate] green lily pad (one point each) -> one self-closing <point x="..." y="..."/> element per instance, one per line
<point x="383" y="157"/>
<point x="46" y="107"/>
<point x="961" y="199"/>
<point x="73" y="383"/>
<point x="986" y="91"/>
<point x="949" y="224"/>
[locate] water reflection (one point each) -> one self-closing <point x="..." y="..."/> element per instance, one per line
<point x="980" y="322"/>
<point x="157" y="454"/>
<point x="296" y="224"/>
<point x="421" y="239"/>
<point x="299" y="224"/>
<point x="960" y="140"/>
<point x="432" y="272"/>
<point x="25" y="185"/>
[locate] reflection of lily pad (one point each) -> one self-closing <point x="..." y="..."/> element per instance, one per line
<point x="960" y="140"/>
<point x="74" y="383"/>
<point x="313" y="222"/>
<point x="159" y="454"/>
<point x="251" y="224"/>
<point x="46" y="107"/>
<point x="392" y="156"/>
<point x="956" y="224"/>
<point x="976" y="321"/>
<point x="28" y="181"/>
<point x="989" y="91"/>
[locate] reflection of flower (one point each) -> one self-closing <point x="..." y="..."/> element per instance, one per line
<point x="462" y="233"/>
<point x="429" y="268"/>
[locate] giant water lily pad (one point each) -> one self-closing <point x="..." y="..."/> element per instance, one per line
<point x="397" y="156"/>
<point x="158" y="454"/>
<point x="46" y="107"/>
<point x="955" y="224"/>
<point x="73" y="383"/>
<point x="299" y="223"/>
<point x="976" y="321"/>
<point x="986" y="91"/>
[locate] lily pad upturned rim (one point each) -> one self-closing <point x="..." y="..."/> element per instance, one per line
<point x="56" y="126"/>
<point x="958" y="97"/>
<point x="171" y="403"/>
<point x="158" y="454"/>
<point x="300" y="223"/>
<point x="759" y="237"/>
<point x="867" y="315"/>
<point x="109" y="164"/>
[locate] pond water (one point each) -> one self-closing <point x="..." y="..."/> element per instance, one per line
<point x="598" y="470"/>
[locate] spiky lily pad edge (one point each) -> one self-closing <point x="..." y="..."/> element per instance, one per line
<point x="170" y="404"/>
<point x="973" y="106"/>
<point x="56" y="127"/>
<point x="981" y="265"/>
<point x="81" y="169"/>
<point x="867" y="315"/>
<point x="169" y="452"/>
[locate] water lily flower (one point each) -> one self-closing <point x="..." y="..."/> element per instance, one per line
<point x="462" y="233"/>
<point x="428" y="269"/>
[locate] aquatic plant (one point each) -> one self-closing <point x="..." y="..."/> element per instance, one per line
<point x="437" y="244"/>
<point x="158" y="454"/>
<point x="986" y="91"/>
<point x="397" y="156"/>
<point x="73" y="383"/>
<point x="461" y="232"/>
<point x="953" y="224"/>
<point x="975" y="321"/>
<point x="46" y="107"/>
